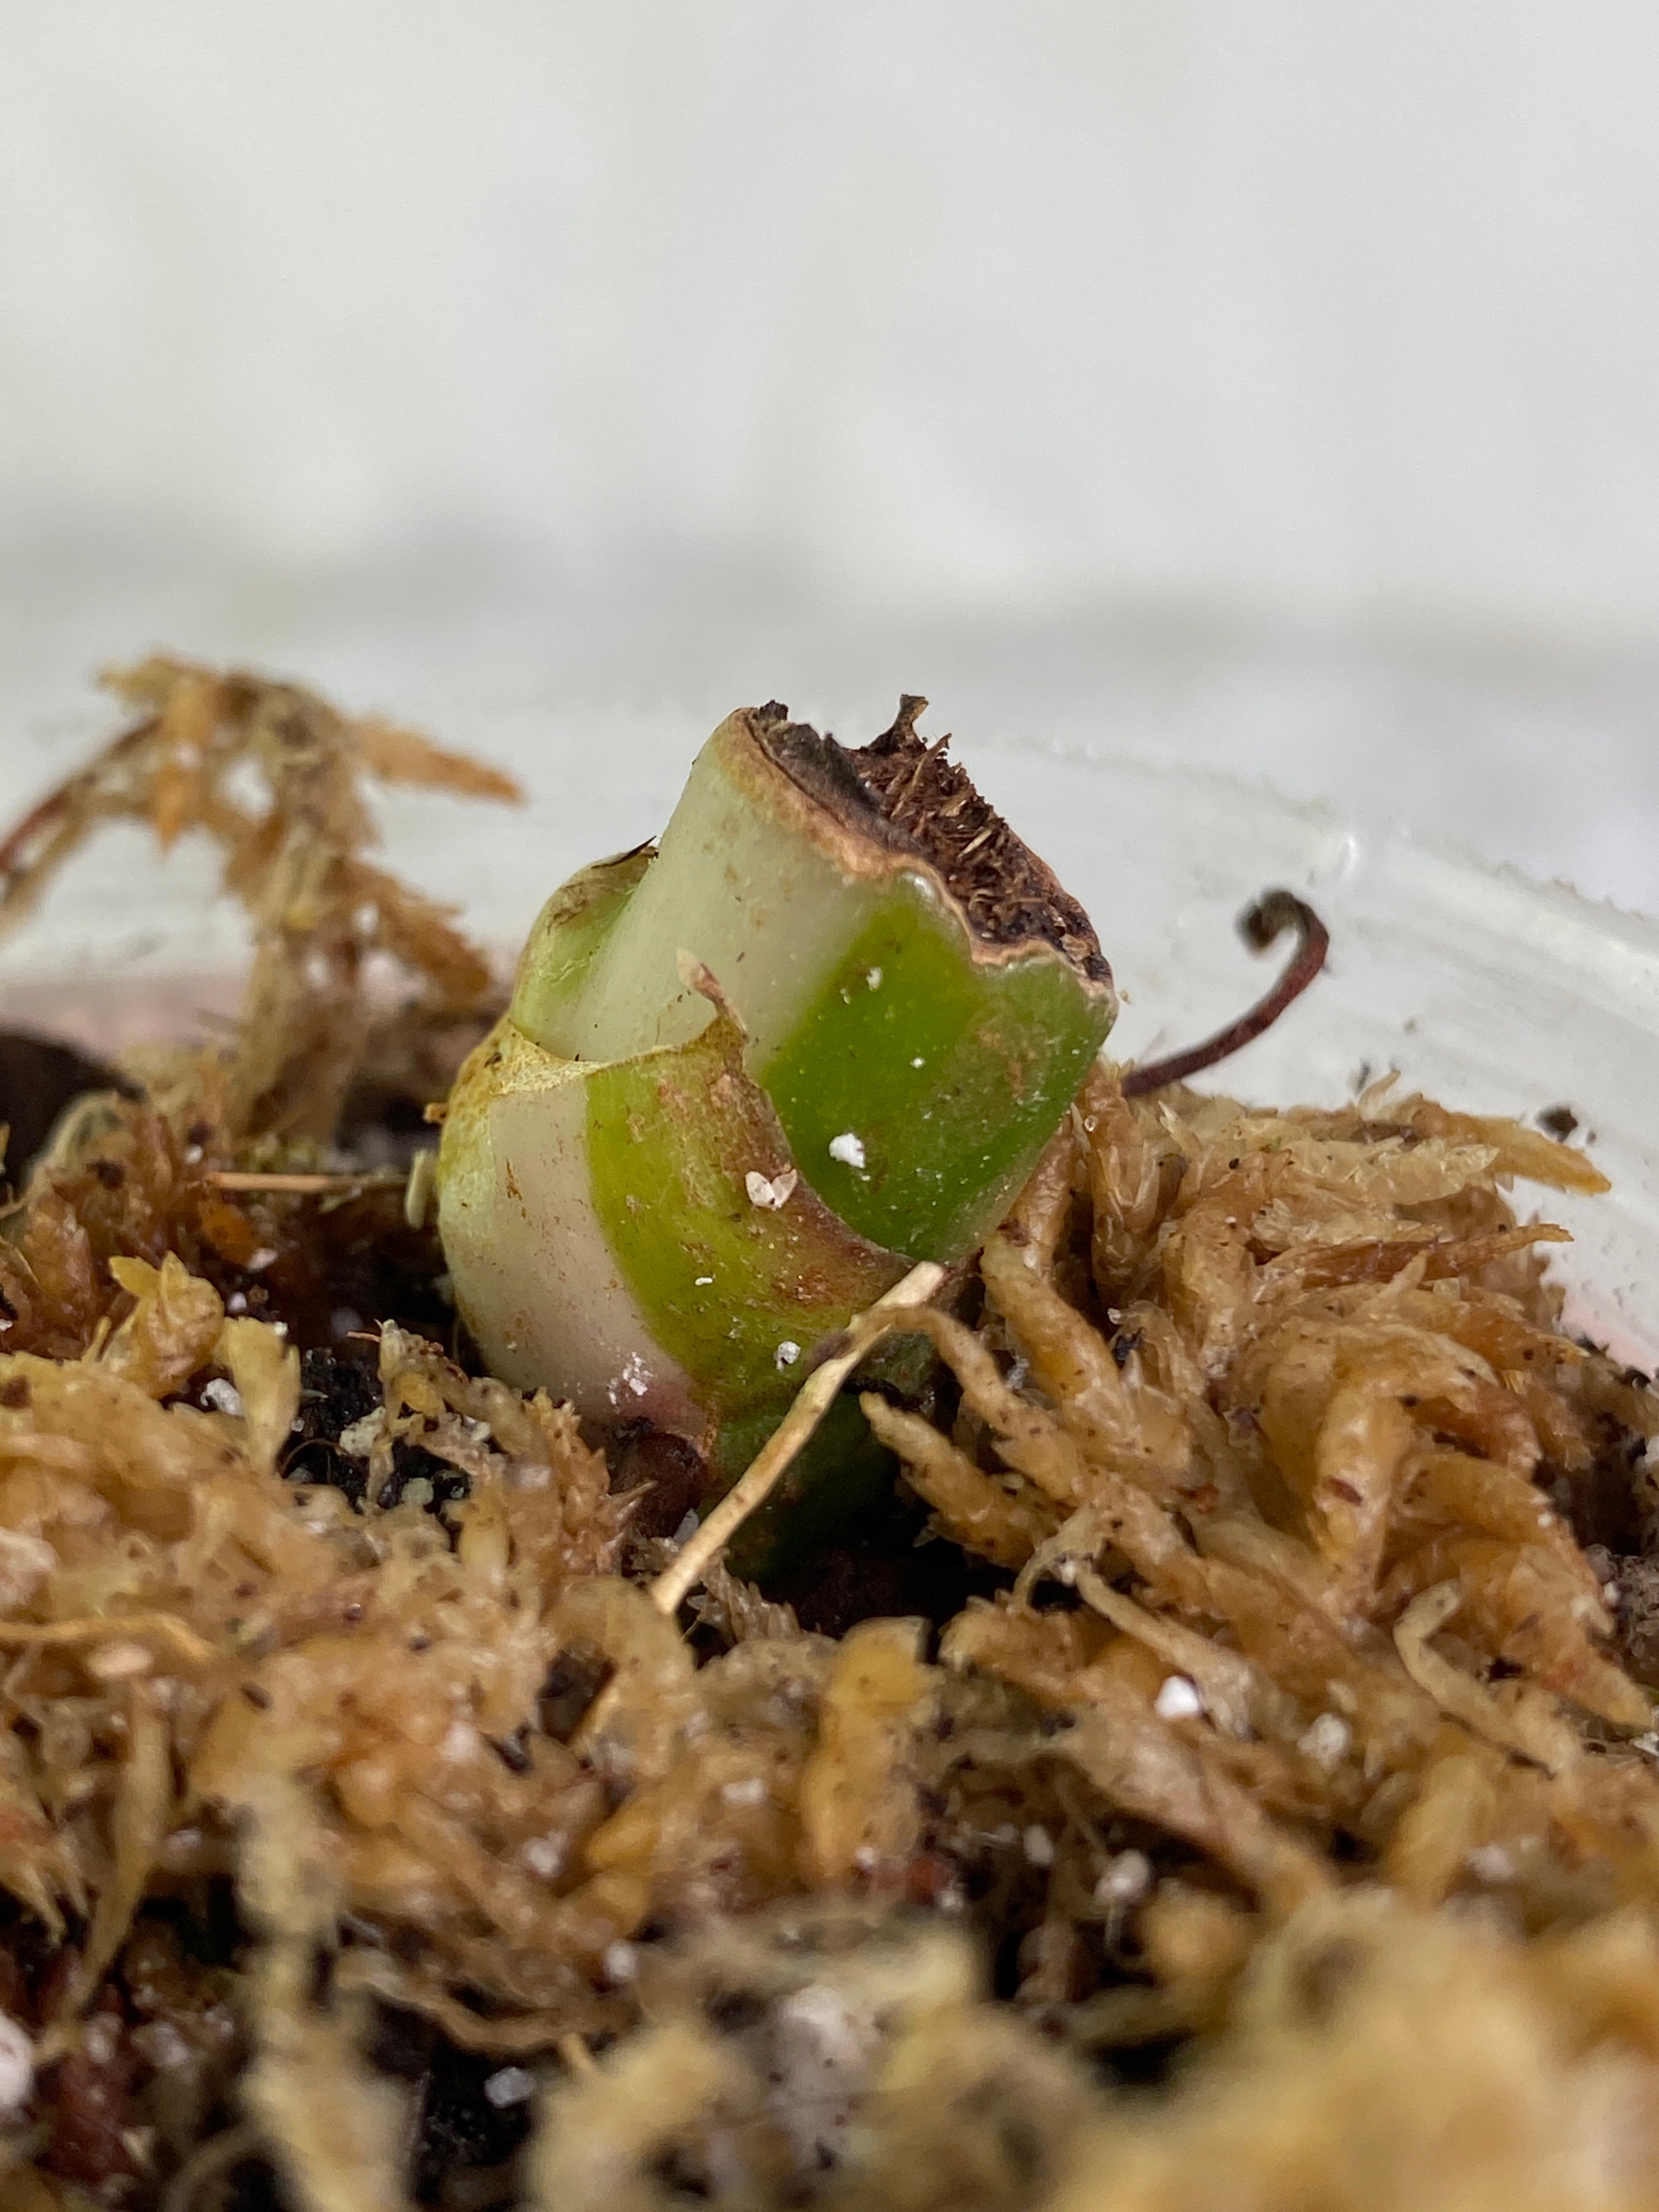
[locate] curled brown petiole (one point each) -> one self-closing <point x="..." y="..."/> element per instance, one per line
<point x="1261" y="924"/>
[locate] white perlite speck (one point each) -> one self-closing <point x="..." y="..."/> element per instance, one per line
<point x="121" y="1661"/>
<point x="513" y="2085"/>
<point x="360" y="1439"/>
<point x="1127" y="1877"/>
<point x="1491" y="1862"/>
<point x="1326" y="1741"/>
<point x="771" y="1191"/>
<point x="620" y="1962"/>
<point x="824" y="2041"/>
<point x="787" y="1352"/>
<point x="637" y="1375"/>
<point x="460" y="1739"/>
<point x="223" y="1396"/>
<point x="848" y="1149"/>
<point x="16" y="2067"/>
<point x="160" y="2043"/>
<point x="1178" y="1699"/>
<point x="1039" y="1847"/>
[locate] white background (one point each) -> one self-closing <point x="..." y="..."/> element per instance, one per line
<point x="1268" y="384"/>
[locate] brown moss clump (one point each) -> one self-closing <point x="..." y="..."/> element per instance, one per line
<point x="296" y="859"/>
<point x="362" y="1000"/>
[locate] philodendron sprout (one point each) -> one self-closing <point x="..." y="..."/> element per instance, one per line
<point x="751" y="1075"/>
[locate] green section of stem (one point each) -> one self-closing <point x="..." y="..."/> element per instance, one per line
<point x="741" y="881"/>
<point x="840" y="1473"/>
<point x="725" y="1285"/>
<point x="569" y="932"/>
<point x="950" y="1074"/>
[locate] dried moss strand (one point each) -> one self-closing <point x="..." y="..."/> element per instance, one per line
<point x="58" y="1635"/>
<point x="1263" y="921"/>
<point x="52" y="827"/>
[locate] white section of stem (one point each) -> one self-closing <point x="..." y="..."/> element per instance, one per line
<point x="543" y="1291"/>
<point x="738" y="885"/>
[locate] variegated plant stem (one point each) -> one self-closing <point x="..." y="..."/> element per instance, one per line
<point x="747" y="1078"/>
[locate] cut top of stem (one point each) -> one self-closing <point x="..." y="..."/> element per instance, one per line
<point x="919" y="997"/>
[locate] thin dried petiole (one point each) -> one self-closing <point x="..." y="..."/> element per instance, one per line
<point x="677" y="1580"/>
<point x="301" y="1186"/>
<point x="1263" y="921"/>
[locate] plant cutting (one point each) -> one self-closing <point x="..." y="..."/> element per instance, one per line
<point x="753" y="1073"/>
